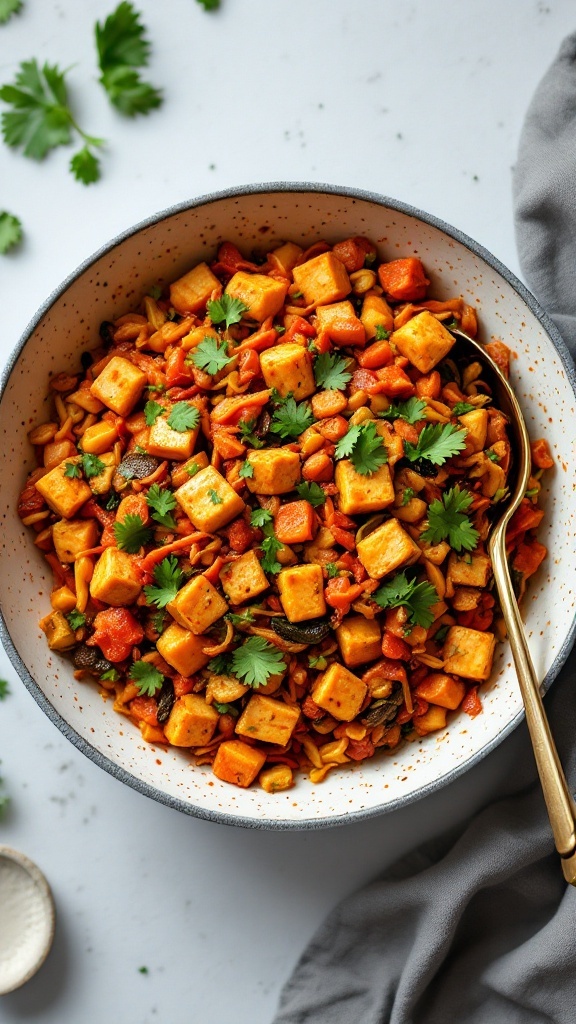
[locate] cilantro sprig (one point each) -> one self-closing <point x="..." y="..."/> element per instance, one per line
<point x="131" y="534"/>
<point x="10" y="231"/>
<point x="163" y="503"/>
<point x="462" y="407"/>
<point x="152" y="410"/>
<point x="259" y="517"/>
<point x="183" y="416"/>
<point x="291" y="418"/>
<point x="311" y="492"/>
<point x="417" y="598"/>
<point x="255" y="661"/>
<point x="122" y="47"/>
<point x="210" y="356"/>
<point x="8" y="8"/>
<point x="412" y="410"/>
<point x="364" y="447"/>
<point x="226" y="310"/>
<point x="270" y="548"/>
<point x="76" y="619"/>
<point x="331" y="372"/>
<point x="147" y="678"/>
<point x="247" y="434"/>
<point x="437" y="443"/>
<point x="89" y="465"/>
<point x="447" y="520"/>
<point x="168" y="578"/>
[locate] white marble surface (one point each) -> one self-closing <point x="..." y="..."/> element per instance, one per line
<point x="419" y="99"/>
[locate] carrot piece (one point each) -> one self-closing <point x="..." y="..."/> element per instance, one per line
<point x="429" y="386"/>
<point x="326" y="404"/>
<point x="228" y="446"/>
<point x="213" y="572"/>
<point x="403" y="280"/>
<point x="178" y="373"/>
<point x="298" y="325"/>
<point x="378" y="354"/>
<point x="231" y="409"/>
<point x="318" y="467"/>
<point x="116" y="632"/>
<point x="529" y="556"/>
<point x="363" y="380"/>
<point x="333" y="428"/>
<point x="526" y="517"/>
<point x="394" y="382"/>
<point x="350" y="253"/>
<point x="471" y="703"/>
<point x="183" y="685"/>
<point x="395" y="648"/>
<point x="340" y="593"/>
<point x="541" y="456"/>
<point x="133" y="505"/>
<point x="259" y="341"/>
<point x="248" y="366"/>
<point x="294" y="522"/>
<point x="145" y="709"/>
<point x="240" y="535"/>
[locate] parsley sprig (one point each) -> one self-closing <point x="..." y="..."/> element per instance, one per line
<point x="89" y="465"/>
<point x="331" y="372"/>
<point x="412" y="410"/>
<point x="147" y="678"/>
<point x="226" y="310"/>
<point x="417" y="598"/>
<point x="437" y="442"/>
<point x="131" y="534"/>
<point x="168" y="578"/>
<point x="10" y="231"/>
<point x="364" y="447"/>
<point x="447" y="520"/>
<point x="290" y="418"/>
<point x="210" y="356"/>
<point x="163" y="503"/>
<point x="122" y="47"/>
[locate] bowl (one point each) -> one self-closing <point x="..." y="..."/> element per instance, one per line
<point x="111" y="283"/>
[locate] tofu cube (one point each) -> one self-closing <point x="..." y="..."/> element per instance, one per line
<point x="359" y="493"/>
<point x="115" y="580"/>
<point x="99" y="438"/>
<point x="243" y="578"/>
<point x="340" y="323"/>
<point x="376" y="313"/>
<point x="182" y="649"/>
<point x="288" y="368"/>
<point x="208" y="500"/>
<point x="102" y="482"/>
<point x="359" y="640"/>
<point x="476" y="424"/>
<point x="71" y="536"/>
<point x="65" y="495"/>
<point x="120" y="385"/>
<point x="468" y="652"/>
<point x="268" y="720"/>
<point x="59" y="634"/>
<point x="441" y="689"/>
<point x="264" y="296"/>
<point x="386" y="549"/>
<point x="301" y="590"/>
<point x="287" y="255"/>
<point x="423" y="340"/>
<point x="190" y="293"/>
<point x="339" y="692"/>
<point x="431" y="721"/>
<point x="225" y="689"/>
<point x="197" y="605"/>
<point x="322" y="280"/>
<point x="192" y="722"/>
<point x="238" y="763"/>
<point x="166" y="443"/>
<point x="276" y="471"/>
<point x="469" y="570"/>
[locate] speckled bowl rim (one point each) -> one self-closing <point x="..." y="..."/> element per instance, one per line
<point x="46" y="897"/>
<point x="95" y="755"/>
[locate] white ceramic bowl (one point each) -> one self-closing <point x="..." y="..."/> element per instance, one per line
<point x="111" y="283"/>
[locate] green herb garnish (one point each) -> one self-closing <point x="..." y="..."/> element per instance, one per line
<point x="331" y="372"/>
<point x="226" y="310"/>
<point x="147" y="678"/>
<point x="311" y="492"/>
<point x="183" y="416"/>
<point x="168" y="578"/>
<point x="364" y="447"/>
<point x="291" y="419"/>
<point x="210" y="356"/>
<point x="10" y="231"/>
<point x="417" y="598"/>
<point x="411" y="410"/>
<point x="122" y="47"/>
<point x="131" y="534"/>
<point x="437" y="442"/>
<point x="163" y="503"/>
<point x="447" y="520"/>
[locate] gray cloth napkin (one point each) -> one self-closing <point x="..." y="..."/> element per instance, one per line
<point x="479" y="927"/>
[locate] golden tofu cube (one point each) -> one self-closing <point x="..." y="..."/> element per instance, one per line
<point x="102" y="482"/>
<point x="209" y="501"/>
<point x="468" y="652"/>
<point x="115" y="580"/>
<point x="264" y="296"/>
<point x="166" y="443"/>
<point x="268" y="720"/>
<point x="225" y="689"/>
<point x="287" y="255"/>
<point x="476" y="424"/>
<point x="243" y="578"/>
<point x="192" y="722"/>
<point x="469" y="570"/>
<point x="288" y="368"/>
<point x="190" y="293"/>
<point x="276" y="471"/>
<point x="59" y="635"/>
<point x="339" y="692"/>
<point x="238" y="763"/>
<point x="197" y="605"/>
<point x="182" y="649"/>
<point x="386" y="549"/>
<point x="301" y="590"/>
<point x="99" y="438"/>
<point x="340" y="323"/>
<point x="322" y="280"/>
<point x="359" y="640"/>
<point x="441" y="689"/>
<point x="359" y="493"/>
<point x="120" y="385"/>
<point x="431" y="721"/>
<point x="65" y="495"/>
<point x="183" y="473"/>
<point x="423" y="340"/>
<point x="71" y="536"/>
<point x="63" y="599"/>
<point x="376" y="313"/>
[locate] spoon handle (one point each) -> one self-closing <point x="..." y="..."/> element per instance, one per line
<point x="559" y="802"/>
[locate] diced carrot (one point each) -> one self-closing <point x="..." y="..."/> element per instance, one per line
<point x="358" y="750"/>
<point x="294" y="522"/>
<point x="230" y="260"/>
<point x="240" y="535"/>
<point x="298" y="325"/>
<point x="350" y="253"/>
<point x="326" y="404"/>
<point x="395" y="648"/>
<point x="541" y="456"/>
<point x="385" y="670"/>
<point x="407" y="431"/>
<point x="529" y="556"/>
<point x="471" y="703"/>
<point x="133" y="505"/>
<point x="429" y="386"/>
<point x="230" y="410"/>
<point x="362" y="380"/>
<point x="376" y="356"/>
<point x="145" y="709"/>
<point x="333" y="428"/>
<point x="403" y="280"/>
<point x="343" y="537"/>
<point x="259" y="341"/>
<point x="340" y="592"/>
<point x="312" y="710"/>
<point x="226" y="444"/>
<point x="500" y="353"/>
<point x="248" y="366"/>
<point x="178" y="374"/>
<point x="394" y="382"/>
<point x="318" y="467"/>
<point x="345" y="328"/>
<point x="183" y="685"/>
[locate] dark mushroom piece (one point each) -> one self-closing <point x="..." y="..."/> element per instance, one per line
<point x="137" y="466"/>
<point x="90" y="659"/>
<point x="310" y="632"/>
<point x="384" y="710"/>
<point x="165" y="701"/>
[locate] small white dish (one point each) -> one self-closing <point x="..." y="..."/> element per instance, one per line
<point x="27" y="919"/>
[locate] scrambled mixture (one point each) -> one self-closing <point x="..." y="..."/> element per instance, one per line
<point x="265" y="501"/>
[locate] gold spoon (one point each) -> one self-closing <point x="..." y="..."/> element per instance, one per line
<point x="559" y="802"/>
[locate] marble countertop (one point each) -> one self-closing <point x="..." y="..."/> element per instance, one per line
<point x="161" y="917"/>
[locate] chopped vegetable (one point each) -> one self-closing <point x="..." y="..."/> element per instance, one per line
<point x="131" y="534"/>
<point x="417" y="598"/>
<point x="312" y="492"/>
<point x="168" y="578"/>
<point x="76" y="619"/>
<point x="10" y="7"/>
<point x="163" y="503"/>
<point x="270" y="547"/>
<point x="255" y="661"/>
<point x="364" y="447"/>
<point x="412" y="410"/>
<point x="152" y="410"/>
<point x="447" y="520"/>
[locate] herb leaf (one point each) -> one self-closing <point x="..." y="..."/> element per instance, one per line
<point x="331" y="372"/>
<point x="183" y="417"/>
<point x="10" y="230"/>
<point x="381" y="333"/>
<point x="259" y="517"/>
<point x="163" y="502"/>
<point x="122" y="47"/>
<point x="214" y="496"/>
<point x="447" y="520"/>
<point x="437" y="442"/>
<point x="311" y="492"/>
<point x="332" y="570"/>
<point x="461" y="407"/>
<point x="270" y="547"/>
<point x="246" y="469"/>
<point x="210" y="5"/>
<point x="4" y="689"/>
<point x="152" y="410"/>
<point x="211" y="356"/>
<point x="226" y="709"/>
<point x="73" y="470"/>
<point x="168" y="578"/>
<point x="75" y="619"/>
<point x="226" y="310"/>
<point x="411" y="410"/>
<point x="247" y="433"/>
<point x="291" y="419"/>
<point x="85" y="166"/>
<point x="255" y="661"/>
<point x="147" y="678"/>
<point x="131" y="534"/>
<point x="92" y="465"/>
<point x="9" y="7"/>
<point x="417" y="598"/>
<point x="364" y="447"/>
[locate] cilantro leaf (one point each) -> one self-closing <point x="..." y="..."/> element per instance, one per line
<point x="311" y="492"/>
<point x="259" y="517"/>
<point x="92" y="465"/>
<point x="447" y="520"/>
<point x="210" y="5"/>
<point x="492" y="455"/>
<point x="152" y="410"/>
<point x="76" y="619"/>
<point x="461" y="407"/>
<point x="247" y="433"/>
<point x="147" y="678"/>
<point x="417" y="598"/>
<point x="158" y="620"/>
<point x="407" y="496"/>
<point x="163" y="502"/>
<point x="226" y="310"/>
<point x="317" y="661"/>
<point x="255" y="661"/>
<point x="332" y="569"/>
<point x="8" y="8"/>
<point x="111" y="675"/>
<point x="10" y="230"/>
<point x="85" y="166"/>
<point x="73" y="470"/>
<point x="331" y="372"/>
<point x="270" y="548"/>
<point x="122" y="46"/>
<point x="364" y="447"/>
<point x="381" y="333"/>
<point x="246" y="469"/>
<point x="183" y="417"/>
<point x="131" y="534"/>
<point x="245" y="619"/>
<point x="411" y="410"/>
<point x="226" y="709"/>
<point x="4" y="689"/>
<point x="291" y="419"/>
<point x="168" y="578"/>
<point x="220" y="665"/>
<point x="214" y="496"/>
<point x="210" y="356"/>
<point x="437" y="442"/>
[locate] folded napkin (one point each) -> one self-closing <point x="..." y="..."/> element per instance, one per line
<point x="479" y="927"/>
